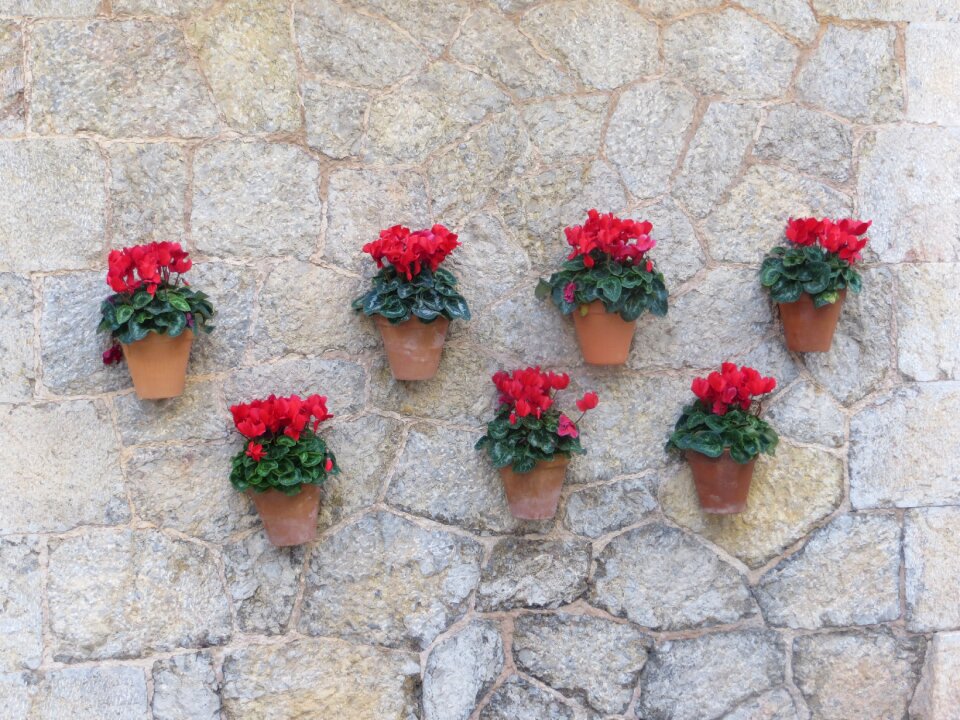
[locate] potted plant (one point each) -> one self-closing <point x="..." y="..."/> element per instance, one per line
<point x="721" y="434"/>
<point x="609" y="281"/>
<point x="153" y="316"/>
<point x="283" y="464"/>
<point x="809" y="278"/>
<point x="412" y="300"/>
<point x="531" y="441"/>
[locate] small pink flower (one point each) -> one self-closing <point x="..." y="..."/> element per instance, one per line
<point x="328" y="465"/>
<point x="568" y="292"/>
<point x="113" y="355"/>
<point x="513" y="418"/>
<point x="567" y="428"/>
<point x="649" y="265"/>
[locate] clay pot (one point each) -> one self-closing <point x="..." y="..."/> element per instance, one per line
<point x="722" y="483"/>
<point x="288" y="519"/>
<point x="413" y="346"/>
<point x="534" y="495"/>
<point x="158" y="364"/>
<point x="604" y="337"/>
<point x="808" y="328"/>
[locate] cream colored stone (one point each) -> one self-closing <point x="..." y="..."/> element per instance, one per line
<point x="12" y="109"/>
<point x="928" y="327"/>
<point x="938" y="694"/>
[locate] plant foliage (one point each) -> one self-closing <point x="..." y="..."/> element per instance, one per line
<point x="429" y="295"/>
<point x="170" y="310"/>
<point x="286" y="464"/>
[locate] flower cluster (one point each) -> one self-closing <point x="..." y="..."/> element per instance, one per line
<point x="731" y="387"/>
<point x="623" y="240"/>
<point x="409" y="252"/>
<point x="530" y="392"/>
<point x="840" y="237"/>
<point x="279" y="415"/>
<point x="146" y="266"/>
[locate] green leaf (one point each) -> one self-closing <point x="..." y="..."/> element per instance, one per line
<point x="543" y="289"/>
<point x="178" y="302"/>
<point x="769" y="272"/>
<point x="123" y="314"/>
<point x="611" y="288"/>
<point x="141" y="298"/>
<point x="707" y="442"/>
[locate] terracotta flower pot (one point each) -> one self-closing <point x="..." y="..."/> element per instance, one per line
<point x="534" y="495"/>
<point x="722" y="483"/>
<point x="413" y="346"/>
<point x="808" y="328"/>
<point x="604" y="337"/>
<point x="158" y="364"/>
<point x="288" y="519"/>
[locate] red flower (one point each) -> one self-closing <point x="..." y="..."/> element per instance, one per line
<point x="278" y="415"/>
<point x="409" y="252"/>
<point x="623" y="240"/>
<point x="649" y="265"/>
<point x="731" y="387"/>
<point x="839" y="237"/>
<point x="513" y="418"/>
<point x="528" y="392"/>
<point x="567" y="428"/>
<point x="588" y="402"/>
<point x="146" y="266"/>
<point x="255" y="451"/>
<point x="113" y="354"/>
<point x="328" y="465"/>
<point x="569" y="292"/>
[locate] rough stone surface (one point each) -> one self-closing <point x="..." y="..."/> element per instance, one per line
<point x="582" y="656"/>
<point x="186" y="686"/>
<point x="689" y="679"/>
<point x="460" y="670"/>
<point x="486" y="247"/>
<point x="729" y="54"/>
<point x="16" y="338"/>
<point x="512" y="337"/>
<point x="122" y="593"/>
<point x="678" y="254"/>
<point x="61" y="468"/>
<point x="255" y="199"/>
<point x="262" y="581"/>
<point x="808" y="414"/>
<point x="847" y="574"/>
<point x="773" y="705"/>
<point x="119" y="79"/>
<point x="232" y="290"/>
<point x="793" y="16"/>
<point x="247" y="56"/>
<point x="534" y="574"/>
<point x="385" y="579"/>
<point x="843" y="675"/>
<point x="432" y="22"/>
<point x="566" y="126"/>
<point x="880" y="450"/>
<point x="928" y="333"/>
<point x="344" y="45"/>
<point x="666" y="9"/>
<point x="12" y="112"/>
<point x="596" y="511"/>
<point x="807" y="141"/>
<point x="334" y="117"/>
<point x="165" y="8"/>
<point x="907" y="10"/>
<point x="789" y="495"/>
<point x="932" y="77"/>
<point x="628" y="49"/>
<point x="52" y="206"/>
<point x="659" y="578"/>
<point x="21" y="620"/>
<point x="148" y="186"/>
<point x="752" y="218"/>
<point x="90" y="692"/>
<point x="275" y="682"/>
<point x="715" y="155"/>
<point x="854" y="73"/>
<point x="930" y="552"/>
<point x="646" y="133"/>
<point x="899" y="168"/>
<point x="161" y="477"/>
<point x="938" y="694"/>
<point x="518" y="699"/>
<point x="198" y="414"/>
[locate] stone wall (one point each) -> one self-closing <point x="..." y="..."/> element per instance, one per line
<point x="274" y="138"/>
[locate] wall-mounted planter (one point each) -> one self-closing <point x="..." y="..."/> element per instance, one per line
<point x="288" y="519"/>
<point x="158" y="364"/>
<point x="808" y="328"/>
<point x="534" y="495"/>
<point x="604" y="337"/>
<point x="413" y="347"/>
<point x="722" y="483"/>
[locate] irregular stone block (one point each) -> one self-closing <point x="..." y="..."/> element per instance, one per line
<point x="518" y="699"/>
<point x="12" y="113"/>
<point x="460" y="670"/>
<point x="302" y="377"/>
<point x="17" y="374"/>
<point x="567" y="126"/>
<point x="61" y="468"/>
<point x="793" y="16"/>
<point x="808" y="141"/>
<point x="932" y="557"/>
<point x="848" y="674"/>
<point x="166" y="8"/>
<point x="232" y="290"/>
<point x="773" y="705"/>
<point x="848" y="573"/>
<point x="198" y="414"/>
<point x="255" y="199"/>
<point x="596" y="511"/>
<point x="854" y="73"/>
<point x="646" y="133"/>
<point x="60" y="8"/>
<point x="263" y="581"/>
<point x="790" y="494"/>
<point x="806" y="413"/>
<point x="21" y="632"/>
<point x="582" y="656"/>
<point x="246" y="53"/>
<point x="334" y="117"/>
<point x="306" y="678"/>
<point x="938" y="694"/>
<point x="505" y="330"/>
<point x="710" y="675"/>
<point x="671" y="8"/>
<point x="679" y="256"/>
<point x="658" y="577"/>
<point x="905" y="10"/>
<point x="119" y="79"/>
<point x="97" y="693"/>
<point x="186" y="686"/>
<point x="383" y="579"/>
<point x="148" y="187"/>
<point x="432" y="22"/>
<point x="125" y="593"/>
<point x="928" y="331"/>
<point x="533" y="574"/>
<point x="898" y="166"/>
<point x="603" y="42"/>
<point x="53" y="205"/>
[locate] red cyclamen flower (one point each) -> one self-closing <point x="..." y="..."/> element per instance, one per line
<point x="588" y="402"/>
<point x="146" y="266"/>
<point x="567" y="428"/>
<point x="279" y="415"/>
<point x="840" y="237"/>
<point x="623" y="240"/>
<point x="731" y="387"/>
<point x="409" y="252"/>
<point x="568" y="292"/>
<point x="328" y="465"/>
<point x="113" y="354"/>
<point x="528" y="392"/>
<point x="255" y="451"/>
